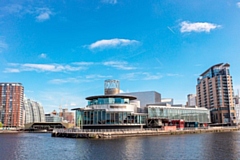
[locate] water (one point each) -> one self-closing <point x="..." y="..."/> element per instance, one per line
<point x="34" y="146"/>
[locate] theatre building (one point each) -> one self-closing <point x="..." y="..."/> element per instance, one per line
<point x="134" y="110"/>
<point x="110" y="110"/>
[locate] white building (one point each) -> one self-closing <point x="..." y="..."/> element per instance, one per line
<point x="146" y="97"/>
<point x="33" y="111"/>
<point x="192" y="99"/>
<point x="167" y="100"/>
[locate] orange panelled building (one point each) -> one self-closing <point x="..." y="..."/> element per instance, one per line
<point x="11" y="104"/>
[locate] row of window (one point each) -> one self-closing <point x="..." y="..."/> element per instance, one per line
<point x="109" y="101"/>
<point x="103" y="117"/>
<point x="187" y="115"/>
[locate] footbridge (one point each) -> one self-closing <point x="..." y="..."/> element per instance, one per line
<point x="49" y="126"/>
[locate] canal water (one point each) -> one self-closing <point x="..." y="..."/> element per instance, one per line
<point x="41" y="146"/>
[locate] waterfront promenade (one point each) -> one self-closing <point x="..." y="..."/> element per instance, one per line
<point x="111" y="133"/>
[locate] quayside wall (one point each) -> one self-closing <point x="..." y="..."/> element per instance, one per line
<point x="112" y="133"/>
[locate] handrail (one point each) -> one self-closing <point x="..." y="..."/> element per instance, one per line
<point x="74" y="130"/>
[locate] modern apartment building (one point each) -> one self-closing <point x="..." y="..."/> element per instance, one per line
<point x="33" y="111"/>
<point x="191" y="100"/>
<point x="67" y="116"/>
<point x="11" y="104"/>
<point x="53" y="118"/>
<point x="215" y="92"/>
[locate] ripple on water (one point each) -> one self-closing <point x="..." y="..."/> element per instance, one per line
<point x="35" y="146"/>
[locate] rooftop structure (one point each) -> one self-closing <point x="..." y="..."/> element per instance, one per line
<point x="111" y="87"/>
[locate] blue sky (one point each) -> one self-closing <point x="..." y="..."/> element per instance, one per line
<point x="62" y="51"/>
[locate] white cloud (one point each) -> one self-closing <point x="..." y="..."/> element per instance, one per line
<point x="51" y="99"/>
<point x="43" y="55"/>
<point x="67" y="80"/>
<point x="197" y="27"/>
<point x="238" y="4"/>
<point x="3" y="45"/>
<point x="97" y="76"/>
<point x="73" y="104"/>
<point x="11" y="70"/>
<point x="111" y="43"/>
<point x="110" y="1"/>
<point x="142" y="76"/>
<point x="83" y="63"/>
<point x="43" y="14"/>
<point x="174" y="75"/>
<point x="148" y="76"/>
<point x="12" y="8"/>
<point x="87" y="78"/>
<point x="119" y="65"/>
<point x="42" y="67"/>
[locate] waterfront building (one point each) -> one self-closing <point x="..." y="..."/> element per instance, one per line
<point x="163" y="114"/>
<point x="53" y="117"/>
<point x="11" y="104"/>
<point x="33" y="111"/>
<point x="67" y="116"/>
<point x="191" y="100"/>
<point x="237" y="107"/>
<point x="111" y="110"/>
<point x="114" y="110"/>
<point x="215" y="92"/>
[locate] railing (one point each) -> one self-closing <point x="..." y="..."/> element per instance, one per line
<point x="74" y="130"/>
<point x="105" y="130"/>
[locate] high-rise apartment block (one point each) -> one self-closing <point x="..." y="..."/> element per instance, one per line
<point x="215" y="92"/>
<point x="191" y="99"/>
<point x="11" y="104"/>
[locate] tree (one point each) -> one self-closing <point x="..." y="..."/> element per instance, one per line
<point x="1" y="124"/>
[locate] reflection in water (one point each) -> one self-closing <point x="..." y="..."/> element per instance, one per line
<point x="190" y="146"/>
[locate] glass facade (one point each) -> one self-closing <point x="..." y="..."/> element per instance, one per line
<point x="115" y="100"/>
<point x="98" y="117"/>
<point x="188" y="115"/>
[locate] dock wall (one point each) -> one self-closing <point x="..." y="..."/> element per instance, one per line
<point x="75" y="133"/>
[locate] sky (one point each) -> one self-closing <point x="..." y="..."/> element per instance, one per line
<point x="62" y="51"/>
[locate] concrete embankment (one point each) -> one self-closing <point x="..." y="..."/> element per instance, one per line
<point x="8" y="131"/>
<point x="132" y="133"/>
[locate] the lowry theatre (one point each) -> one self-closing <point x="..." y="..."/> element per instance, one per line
<point x="116" y="110"/>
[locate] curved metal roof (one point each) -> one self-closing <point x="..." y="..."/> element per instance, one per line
<point x="112" y="96"/>
<point x="216" y="65"/>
